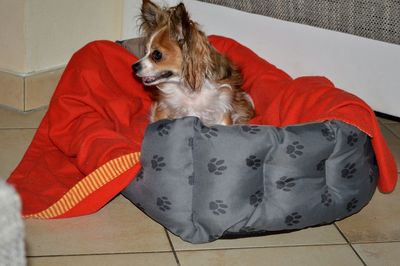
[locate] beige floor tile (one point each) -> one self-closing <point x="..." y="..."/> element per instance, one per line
<point x="311" y="255"/>
<point x="393" y="142"/>
<point x="374" y="254"/>
<point x="145" y="259"/>
<point x="312" y="236"/>
<point x="377" y="222"/>
<point x="11" y="90"/>
<point x="40" y="87"/>
<point x="118" y="228"/>
<point x="386" y="121"/>
<point x="13" y="144"/>
<point x="394" y="128"/>
<point x="13" y="119"/>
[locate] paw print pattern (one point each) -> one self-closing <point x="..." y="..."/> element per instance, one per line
<point x="191" y="179"/>
<point x="372" y="175"/>
<point x="164" y="204"/>
<point x="294" y="149"/>
<point x="352" y="205"/>
<point x="321" y="165"/>
<point x="251" y="129"/>
<point x="190" y="142"/>
<point x="367" y="148"/>
<point x="157" y="163"/>
<point x="293" y="219"/>
<point x="139" y="176"/>
<point x="352" y="139"/>
<point x="218" y="207"/>
<point x="163" y="130"/>
<point x="349" y="170"/>
<point x="253" y="162"/>
<point x="256" y="198"/>
<point x="328" y="134"/>
<point x="326" y="198"/>
<point x="216" y="166"/>
<point x="285" y="183"/>
<point x="209" y="132"/>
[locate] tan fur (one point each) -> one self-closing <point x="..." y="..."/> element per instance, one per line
<point x="190" y="57"/>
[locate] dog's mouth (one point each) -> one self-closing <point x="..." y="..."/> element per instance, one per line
<point x="149" y="80"/>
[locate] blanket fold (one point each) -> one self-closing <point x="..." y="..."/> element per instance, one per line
<point x="87" y="148"/>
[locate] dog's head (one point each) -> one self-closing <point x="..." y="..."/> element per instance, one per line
<point x="176" y="50"/>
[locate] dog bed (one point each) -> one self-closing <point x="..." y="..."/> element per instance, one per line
<point x="305" y="159"/>
<point x="204" y="183"/>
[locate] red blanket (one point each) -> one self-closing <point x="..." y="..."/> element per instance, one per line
<point x="86" y="149"/>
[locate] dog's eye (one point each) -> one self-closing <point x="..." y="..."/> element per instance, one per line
<point x="156" y="55"/>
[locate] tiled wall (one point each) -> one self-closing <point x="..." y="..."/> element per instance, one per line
<point x="30" y="92"/>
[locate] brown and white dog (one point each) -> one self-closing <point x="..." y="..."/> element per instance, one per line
<point x="192" y="78"/>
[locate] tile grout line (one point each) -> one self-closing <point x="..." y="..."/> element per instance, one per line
<point x="17" y="128"/>
<point x="97" y="254"/>
<point x="183" y="250"/>
<point x="263" y="247"/>
<point x="172" y="247"/>
<point x="351" y="246"/>
<point x="391" y="131"/>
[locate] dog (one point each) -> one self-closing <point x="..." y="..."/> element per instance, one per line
<point x="192" y="78"/>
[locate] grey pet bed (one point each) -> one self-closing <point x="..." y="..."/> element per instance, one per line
<point x="205" y="183"/>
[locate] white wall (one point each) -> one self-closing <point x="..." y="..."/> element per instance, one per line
<point x="131" y="11"/>
<point x="56" y="28"/>
<point x="12" y="35"/>
<point x="368" y="68"/>
<point x="37" y="35"/>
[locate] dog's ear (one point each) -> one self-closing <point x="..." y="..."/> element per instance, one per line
<point x="151" y="16"/>
<point x="180" y="24"/>
<point x="194" y="45"/>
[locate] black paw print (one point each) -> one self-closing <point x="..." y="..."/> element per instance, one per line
<point x="321" y="165"/>
<point x="209" y="132"/>
<point x="191" y="180"/>
<point x="164" y="204"/>
<point x="352" y="205"/>
<point x="216" y="166"/>
<point x="139" y="176"/>
<point x="326" y="198"/>
<point x="163" y="129"/>
<point x="293" y="219"/>
<point x="349" y="170"/>
<point x="218" y="207"/>
<point x="328" y="133"/>
<point x="190" y="142"/>
<point x="367" y="148"/>
<point x="253" y="162"/>
<point x="372" y="175"/>
<point x="251" y="129"/>
<point x="285" y="183"/>
<point x="157" y="163"/>
<point x="256" y="198"/>
<point x="294" y="150"/>
<point x="352" y="138"/>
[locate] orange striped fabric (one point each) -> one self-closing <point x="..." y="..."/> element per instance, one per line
<point x="89" y="184"/>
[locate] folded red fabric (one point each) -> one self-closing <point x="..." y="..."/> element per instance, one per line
<point x="86" y="149"/>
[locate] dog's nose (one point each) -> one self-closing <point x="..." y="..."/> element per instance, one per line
<point x="136" y="67"/>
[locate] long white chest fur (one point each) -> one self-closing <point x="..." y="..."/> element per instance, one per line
<point x="211" y="103"/>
